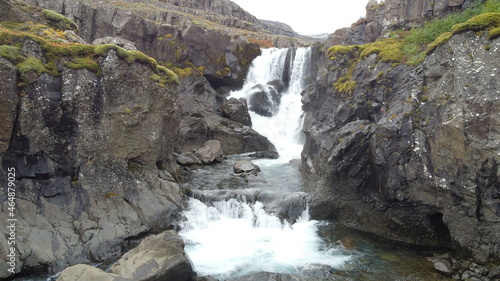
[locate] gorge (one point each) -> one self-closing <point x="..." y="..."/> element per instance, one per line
<point x="123" y="119"/>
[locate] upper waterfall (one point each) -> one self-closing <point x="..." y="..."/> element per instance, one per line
<point x="273" y="90"/>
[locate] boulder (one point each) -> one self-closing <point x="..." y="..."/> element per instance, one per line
<point x="158" y="257"/>
<point x="263" y="100"/>
<point x="83" y="272"/>
<point x="186" y="158"/>
<point x="279" y="85"/>
<point x="245" y="166"/>
<point x="210" y="152"/>
<point x="237" y="110"/>
<point x="265" y="154"/>
<point x="124" y="43"/>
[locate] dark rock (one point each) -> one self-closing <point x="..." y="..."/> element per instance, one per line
<point x="265" y="154"/>
<point x="279" y="85"/>
<point x="348" y="242"/>
<point x="124" y="43"/>
<point x="420" y="167"/>
<point x="237" y="110"/>
<point x="264" y="100"/>
<point x="210" y="152"/>
<point x="8" y="102"/>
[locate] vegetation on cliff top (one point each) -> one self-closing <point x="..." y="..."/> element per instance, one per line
<point x="56" y="51"/>
<point x="412" y="46"/>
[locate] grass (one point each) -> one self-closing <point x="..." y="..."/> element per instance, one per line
<point x="59" y="21"/>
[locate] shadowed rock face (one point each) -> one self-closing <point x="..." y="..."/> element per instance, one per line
<point x="413" y="153"/>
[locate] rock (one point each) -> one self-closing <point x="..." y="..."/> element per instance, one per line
<point x="263" y="100"/>
<point x="444" y="267"/>
<point x="237" y="110"/>
<point x="8" y="102"/>
<point x="267" y="276"/>
<point x="83" y="272"/>
<point x="422" y="170"/>
<point x="186" y="158"/>
<point x="210" y="152"/>
<point x="251" y="178"/>
<point x="158" y="257"/>
<point x="348" y="242"/>
<point x="265" y="154"/>
<point x="279" y="85"/>
<point x="245" y="166"/>
<point x="124" y="43"/>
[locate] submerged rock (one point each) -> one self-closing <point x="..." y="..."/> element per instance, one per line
<point x="267" y="276"/>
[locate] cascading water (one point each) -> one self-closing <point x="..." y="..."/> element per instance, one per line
<point x="232" y="238"/>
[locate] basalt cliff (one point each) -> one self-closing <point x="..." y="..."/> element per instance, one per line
<point x="410" y="151"/>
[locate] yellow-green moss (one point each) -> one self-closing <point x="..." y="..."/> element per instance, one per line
<point x="387" y="50"/>
<point x="442" y="39"/>
<point x="59" y="21"/>
<point x="79" y="63"/>
<point x="481" y="22"/>
<point x="167" y="76"/>
<point x="494" y="33"/>
<point x="345" y="85"/>
<point x="11" y="53"/>
<point x="342" y="50"/>
<point x="31" y="64"/>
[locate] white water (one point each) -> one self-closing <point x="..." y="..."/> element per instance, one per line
<point x="284" y="129"/>
<point x="233" y="238"/>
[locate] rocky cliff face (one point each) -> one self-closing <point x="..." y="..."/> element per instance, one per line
<point x="384" y="16"/>
<point x="90" y="132"/>
<point x="411" y="153"/>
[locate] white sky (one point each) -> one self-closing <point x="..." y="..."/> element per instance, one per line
<point x="308" y="16"/>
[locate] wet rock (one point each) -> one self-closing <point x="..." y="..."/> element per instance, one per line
<point x="251" y="178"/>
<point x="348" y="242"/>
<point x="237" y="110"/>
<point x="265" y="154"/>
<point x="267" y="276"/>
<point x="186" y="158"/>
<point x="245" y="166"/>
<point x="264" y="100"/>
<point x="444" y="267"/>
<point x="279" y="85"/>
<point x="210" y="152"/>
<point x="158" y="257"/>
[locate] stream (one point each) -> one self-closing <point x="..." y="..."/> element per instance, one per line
<point x="233" y="228"/>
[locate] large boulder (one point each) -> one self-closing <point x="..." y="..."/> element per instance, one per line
<point x="210" y="152"/>
<point x="83" y="272"/>
<point x="237" y="110"/>
<point x="264" y="100"/>
<point x="245" y="167"/>
<point x="158" y="257"/>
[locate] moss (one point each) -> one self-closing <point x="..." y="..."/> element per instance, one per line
<point x="342" y="50"/>
<point x="345" y="85"/>
<point x="167" y="76"/>
<point x="442" y="39"/>
<point x="494" y="33"/>
<point x="31" y="64"/>
<point x="59" y="21"/>
<point x="11" y="53"/>
<point x="87" y="63"/>
<point x="387" y="50"/>
<point x="481" y="22"/>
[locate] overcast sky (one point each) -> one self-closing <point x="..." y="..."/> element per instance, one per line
<point x="308" y="16"/>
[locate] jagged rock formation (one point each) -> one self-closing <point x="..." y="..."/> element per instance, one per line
<point x="279" y="28"/>
<point x="411" y="153"/>
<point x="393" y="14"/>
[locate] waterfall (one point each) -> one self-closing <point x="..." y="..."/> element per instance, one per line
<point x="280" y="75"/>
<point x="232" y="238"/>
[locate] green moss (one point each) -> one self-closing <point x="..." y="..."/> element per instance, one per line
<point x="59" y="21"/>
<point x="481" y="22"/>
<point x="442" y="39"/>
<point x="167" y="76"/>
<point x="345" y="85"/>
<point x="11" y="53"/>
<point x="494" y="33"/>
<point x="342" y="50"/>
<point x="387" y="50"/>
<point x="31" y="64"/>
<point x="80" y="63"/>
